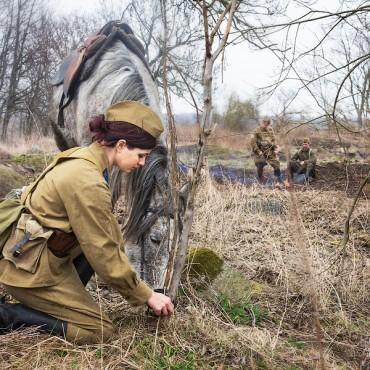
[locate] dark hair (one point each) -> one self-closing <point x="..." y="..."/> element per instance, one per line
<point x="108" y="133"/>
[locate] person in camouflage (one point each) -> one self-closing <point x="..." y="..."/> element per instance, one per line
<point x="302" y="162"/>
<point x="265" y="151"/>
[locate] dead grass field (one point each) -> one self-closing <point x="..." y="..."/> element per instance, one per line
<point x="259" y="313"/>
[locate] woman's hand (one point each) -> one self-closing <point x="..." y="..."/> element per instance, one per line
<point x="160" y="304"/>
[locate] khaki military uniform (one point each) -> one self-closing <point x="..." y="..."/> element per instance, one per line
<point x="74" y="196"/>
<point x="306" y="156"/>
<point x="263" y="147"/>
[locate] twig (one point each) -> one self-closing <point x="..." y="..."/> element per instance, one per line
<point x="348" y="219"/>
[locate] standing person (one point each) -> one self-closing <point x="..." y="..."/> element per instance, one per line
<point x="265" y="151"/>
<point x="69" y="231"/>
<point x="302" y="162"/>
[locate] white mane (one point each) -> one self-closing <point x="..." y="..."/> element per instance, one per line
<point x="119" y="75"/>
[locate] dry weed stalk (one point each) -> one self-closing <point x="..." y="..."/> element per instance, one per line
<point x="310" y="285"/>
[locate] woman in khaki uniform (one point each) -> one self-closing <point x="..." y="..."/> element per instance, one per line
<point x="69" y="231"/>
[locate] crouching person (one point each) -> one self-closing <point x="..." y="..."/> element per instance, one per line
<point x="302" y="162"/>
<point x="67" y="232"/>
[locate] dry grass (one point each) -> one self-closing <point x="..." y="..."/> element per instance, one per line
<point x="253" y="231"/>
<point x="31" y="144"/>
<point x="224" y="138"/>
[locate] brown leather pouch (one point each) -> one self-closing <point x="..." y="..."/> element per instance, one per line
<point x="61" y="243"/>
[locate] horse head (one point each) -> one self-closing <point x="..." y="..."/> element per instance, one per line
<point x="114" y="71"/>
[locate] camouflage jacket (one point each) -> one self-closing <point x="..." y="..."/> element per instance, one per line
<point x="263" y="140"/>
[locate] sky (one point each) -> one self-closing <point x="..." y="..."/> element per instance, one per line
<point x="245" y="70"/>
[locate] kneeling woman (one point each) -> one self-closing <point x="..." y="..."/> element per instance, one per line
<point x="68" y="231"/>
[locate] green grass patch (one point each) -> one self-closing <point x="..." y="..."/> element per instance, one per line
<point x="235" y="286"/>
<point x="165" y="356"/>
<point x="296" y="342"/>
<point x="60" y="352"/>
<point x="241" y="313"/>
<point x="218" y="155"/>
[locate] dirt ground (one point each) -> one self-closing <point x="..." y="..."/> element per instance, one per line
<point x="330" y="176"/>
<point x="342" y="177"/>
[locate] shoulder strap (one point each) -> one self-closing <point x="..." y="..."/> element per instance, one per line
<point x="67" y="154"/>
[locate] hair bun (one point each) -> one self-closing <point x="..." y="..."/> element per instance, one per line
<point x="98" y="124"/>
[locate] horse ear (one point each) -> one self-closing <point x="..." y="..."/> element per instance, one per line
<point x="183" y="197"/>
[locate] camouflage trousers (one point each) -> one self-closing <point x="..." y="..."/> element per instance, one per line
<point x="263" y="160"/>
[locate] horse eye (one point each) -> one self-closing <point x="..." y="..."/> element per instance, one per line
<point x="127" y="69"/>
<point x="155" y="239"/>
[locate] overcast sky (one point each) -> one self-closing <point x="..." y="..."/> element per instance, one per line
<point x="246" y="70"/>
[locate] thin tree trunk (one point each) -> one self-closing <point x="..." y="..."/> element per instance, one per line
<point x="205" y="131"/>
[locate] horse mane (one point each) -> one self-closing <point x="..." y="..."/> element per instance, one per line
<point x="114" y="62"/>
<point x="139" y="190"/>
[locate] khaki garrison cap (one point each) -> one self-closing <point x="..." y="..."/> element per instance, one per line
<point x="137" y="114"/>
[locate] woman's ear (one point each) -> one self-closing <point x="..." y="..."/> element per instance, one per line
<point x="120" y="145"/>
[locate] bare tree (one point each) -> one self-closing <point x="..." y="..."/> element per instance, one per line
<point x="327" y="75"/>
<point x="33" y="42"/>
<point x="22" y="16"/>
<point x="183" y="44"/>
<point x="217" y="21"/>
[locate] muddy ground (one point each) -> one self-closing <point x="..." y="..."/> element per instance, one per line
<point x="330" y="176"/>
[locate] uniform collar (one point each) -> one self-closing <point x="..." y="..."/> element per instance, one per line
<point x="101" y="159"/>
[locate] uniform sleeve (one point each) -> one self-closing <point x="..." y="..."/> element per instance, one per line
<point x="254" y="142"/>
<point x="311" y="158"/>
<point x="87" y="201"/>
<point x="295" y="157"/>
<point x="272" y="138"/>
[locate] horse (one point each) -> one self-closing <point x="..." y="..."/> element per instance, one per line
<point x="112" y="71"/>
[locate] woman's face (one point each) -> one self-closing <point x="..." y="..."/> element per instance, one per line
<point x="128" y="159"/>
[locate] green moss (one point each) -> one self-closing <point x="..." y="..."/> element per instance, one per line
<point x="9" y="179"/>
<point x="37" y="161"/>
<point x="203" y="262"/>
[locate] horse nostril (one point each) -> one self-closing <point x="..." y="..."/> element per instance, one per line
<point x="155" y="239"/>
